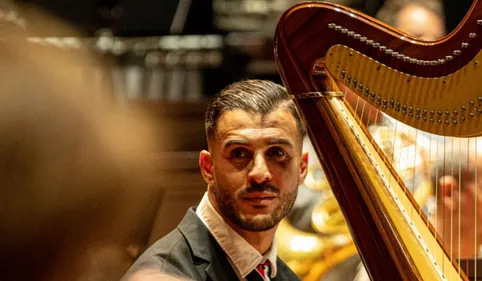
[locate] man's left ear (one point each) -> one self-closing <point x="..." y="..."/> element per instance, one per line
<point x="303" y="167"/>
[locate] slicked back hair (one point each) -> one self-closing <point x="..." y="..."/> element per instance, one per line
<point x="253" y="96"/>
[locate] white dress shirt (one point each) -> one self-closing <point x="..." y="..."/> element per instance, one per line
<point x="243" y="257"/>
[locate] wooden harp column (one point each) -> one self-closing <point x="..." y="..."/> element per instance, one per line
<point x="314" y="43"/>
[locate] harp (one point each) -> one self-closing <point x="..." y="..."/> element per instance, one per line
<point x="327" y="52"/>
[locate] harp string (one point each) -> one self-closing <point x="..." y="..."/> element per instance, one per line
<point x="430" y="145"/>
<point x="476" y="250"/>
<point x="405" y="160"/>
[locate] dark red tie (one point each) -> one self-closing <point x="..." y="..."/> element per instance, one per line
<point x="260" y="273"/>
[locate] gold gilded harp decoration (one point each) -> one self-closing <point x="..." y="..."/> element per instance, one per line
<point x="429" y="87"/>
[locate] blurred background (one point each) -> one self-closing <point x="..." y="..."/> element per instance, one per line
<point x="166" y="59"/>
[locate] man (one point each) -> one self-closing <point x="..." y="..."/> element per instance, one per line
<point x="458" y="199"/>
<point x="253" y="168"/>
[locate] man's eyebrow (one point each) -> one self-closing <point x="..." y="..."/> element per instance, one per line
<point x="280" y="141"/>
<point x="235" y="142"/>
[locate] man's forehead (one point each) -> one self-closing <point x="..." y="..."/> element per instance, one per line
<point x="241" y="120"/>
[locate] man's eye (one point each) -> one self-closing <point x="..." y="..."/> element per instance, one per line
<point x="239" y="153"/>
<point x="276" y="152"/>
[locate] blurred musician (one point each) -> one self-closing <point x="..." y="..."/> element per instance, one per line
<point x="75" y="172"/>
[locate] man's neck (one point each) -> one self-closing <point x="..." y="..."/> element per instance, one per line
<point x="461" y="245"/>
<point x="261" y="241"/>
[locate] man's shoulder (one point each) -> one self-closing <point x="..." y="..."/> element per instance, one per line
<point x="171" y="255"/>
<point x="284" y="272"/>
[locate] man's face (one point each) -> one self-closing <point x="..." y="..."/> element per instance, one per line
<point x="254" y="167"/>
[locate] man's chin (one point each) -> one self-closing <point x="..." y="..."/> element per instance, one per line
<point x="257" y="222"/>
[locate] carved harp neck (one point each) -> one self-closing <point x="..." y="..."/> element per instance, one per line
<point x="319" y="46"/>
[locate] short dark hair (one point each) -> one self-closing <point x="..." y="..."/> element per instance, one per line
<point x="255" y="96"/>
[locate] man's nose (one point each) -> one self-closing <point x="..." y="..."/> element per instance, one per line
<point x="259" y="173"/>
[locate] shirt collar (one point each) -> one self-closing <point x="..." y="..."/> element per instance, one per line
<point x="243" y="256"/>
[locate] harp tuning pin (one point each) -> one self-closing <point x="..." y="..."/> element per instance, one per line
<point x="369" y="42"/>
<point x="480" y="99"/>
<point x="417" y="116"/>
<point x="383" y="48"/>
<point x="357" y="36"/>
<point x="465" y="45"/>
<point x="462" y="118"/>
<point x="351" y="33"/>
<point x="447" y="122"/>
<point x="389" y="51"/>
<point x="344" y="30"/>
<point x="392" y="101"/>
<point x="441" y="61"/>
<point x="439" y="121"/>
<point x="431" y="120"/>
<point x="449" y="58"/>
<point x="375" y="45"/>
<point x="456" y="112"/>
<point x="471" y="102"/>
<point x="472" y="35"/>
<point x="439" y="112"/>
<point x="417" y="110"/>
<point x="479" y="22"/>
<point x="471" y="114"/>
<point x="463" y="107"/>
<point x="447" y="112"/>
<point x="410" y="114"/>
<point x="337" y="27"/>
<point x="457" y="52"/>
<point x="425" y="119"/>
<point x="410" y="109"/>
<point x="404" y="107"/>
<point x="432" y="112"/>
<point x="479" y="111"/>
<point x="363" y="39"/>
<point x="331" y="25"/>
<point x="454" y="122"/>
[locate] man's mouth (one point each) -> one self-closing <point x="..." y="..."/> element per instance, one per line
<point x="259" y="197"/>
